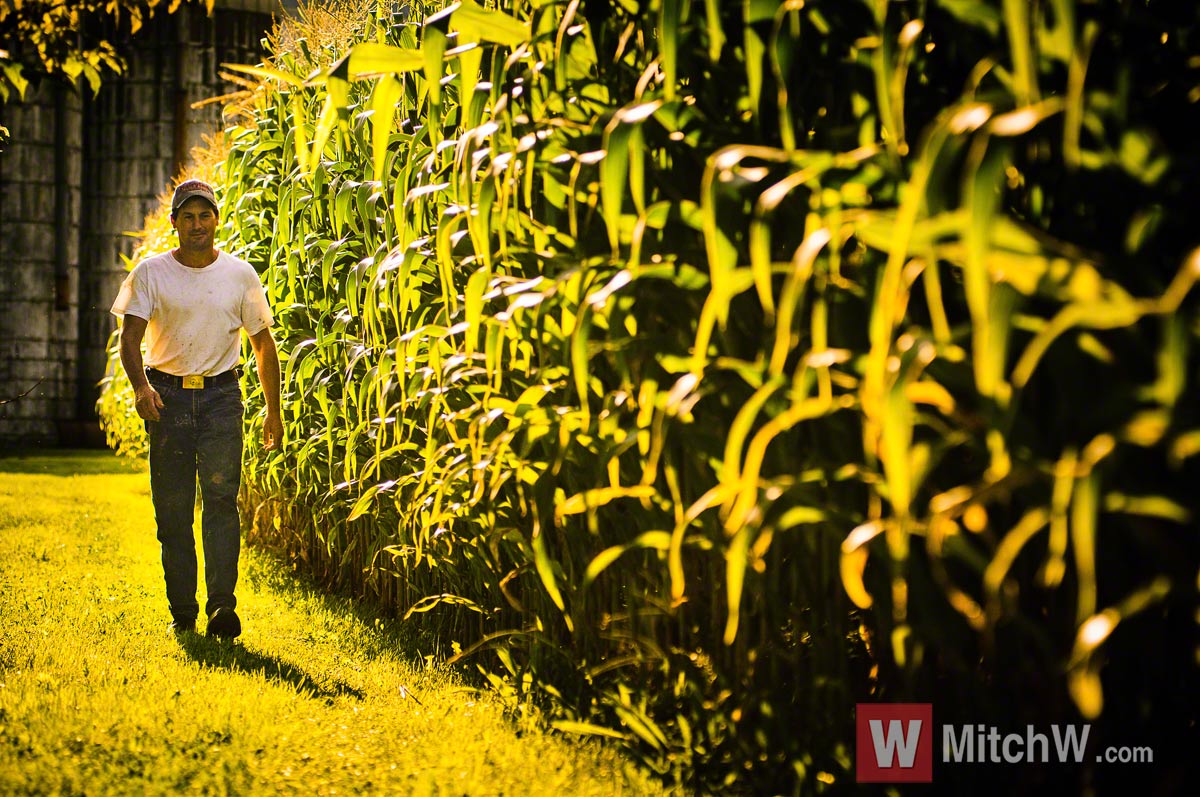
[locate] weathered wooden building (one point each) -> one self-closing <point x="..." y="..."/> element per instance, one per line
<point x="78" y="174"/>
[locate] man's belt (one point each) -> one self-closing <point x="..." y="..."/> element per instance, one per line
<point x="194" y="382"/>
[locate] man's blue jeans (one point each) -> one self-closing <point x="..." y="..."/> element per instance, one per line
<point x="199" y="434"/>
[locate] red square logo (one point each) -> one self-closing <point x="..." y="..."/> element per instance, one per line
<point x="894" y="742"/>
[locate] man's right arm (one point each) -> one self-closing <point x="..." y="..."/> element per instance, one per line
<point x="146" y="398"/>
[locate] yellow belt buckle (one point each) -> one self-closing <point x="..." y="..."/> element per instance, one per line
<point x="193" y="383"/>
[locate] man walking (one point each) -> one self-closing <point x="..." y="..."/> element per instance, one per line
<point x="190" y="304"/>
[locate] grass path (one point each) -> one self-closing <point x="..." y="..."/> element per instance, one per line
<point x="98" y="698"/>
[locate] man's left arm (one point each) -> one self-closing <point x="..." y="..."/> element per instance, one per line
<point x="267" y="357"/>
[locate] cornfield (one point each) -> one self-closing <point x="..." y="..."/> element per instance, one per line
<point x="697" y="370"/>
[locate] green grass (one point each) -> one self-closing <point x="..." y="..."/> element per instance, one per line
<point x="316" y="697"/>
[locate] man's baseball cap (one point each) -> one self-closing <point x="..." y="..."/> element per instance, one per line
<point x="190" y="188"/>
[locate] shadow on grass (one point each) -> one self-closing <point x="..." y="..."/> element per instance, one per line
<point x="271" y="570"/>
<point x="235" y="656"/>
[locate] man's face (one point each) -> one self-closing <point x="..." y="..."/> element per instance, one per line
<point x="196" y="223"/>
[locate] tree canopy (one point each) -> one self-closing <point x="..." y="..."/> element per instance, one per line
<point x="68" y="38"/>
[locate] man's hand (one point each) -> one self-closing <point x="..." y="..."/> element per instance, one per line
<point x="268" y="373"/>
<point x="272" y="433"/>
<point x="145" y="397"/>
<point x="148" y="403"/>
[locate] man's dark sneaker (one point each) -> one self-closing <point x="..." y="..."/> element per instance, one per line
<point x="224" y="622"/>
<point x="182" y="627"/>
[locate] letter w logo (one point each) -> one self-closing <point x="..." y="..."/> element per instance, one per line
<point x="886" y="744"/>
<point x="894" y="743"/>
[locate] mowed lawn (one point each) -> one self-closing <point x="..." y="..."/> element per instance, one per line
<point x="317" y="697"/>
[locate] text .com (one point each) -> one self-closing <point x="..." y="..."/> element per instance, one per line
<point x="895" y="744"/>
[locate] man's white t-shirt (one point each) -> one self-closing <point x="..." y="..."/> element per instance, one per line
<point x="194" y="314"/>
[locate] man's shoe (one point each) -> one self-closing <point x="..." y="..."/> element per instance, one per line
<point x="224" y="622"/>
<point x="178" y="627"/>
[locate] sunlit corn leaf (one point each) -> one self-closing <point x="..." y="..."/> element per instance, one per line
<point x="792" y="295"/>
<point x="375" y="58"/>
<point x="1016" y="20"/>
<point x="1157" y="506"/>
<point x="433" y="601"/>
<point x="282" y="76"/>
<point x="1084" y="513"/>
<point x="433" y="47"/>
<point x="640" y="724"/>
<point x="740" y="429"/>
<point x="653" y="540"/>
<point x="586" y="729"/>
<point x="1121" y="312"/>
<point x="582" y="502"/>
<point x="853" y="562"/>
<point x="616" y="166"/>
<point x="758" y="16"/>
<point x="716" y="33"/>
<point x="300" y="131"/>
<point x="670" y="12"/>
<point x="337" y="88"/>
<point x="1083" y="678"/>
<point x="988" y="337"/>
<point x="384" y="100"/>
<point x="481" y="24"/>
